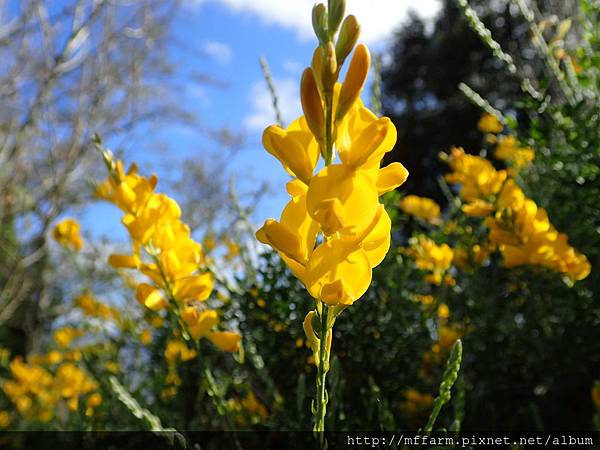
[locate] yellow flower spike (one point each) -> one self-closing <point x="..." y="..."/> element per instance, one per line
<point x="197" y="287"/>
<point x="312" y="104"/>
<point x="295" y="147"/>
<point x="355" y="192"/>
<point x="150" y="297"/>
<point x="227" y="341"/>
<point x="390" y="177"/>
<point x="354" y="81"/>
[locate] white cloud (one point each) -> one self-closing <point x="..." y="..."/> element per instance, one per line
<point x="292" y="67"/>
<point x="378" y="18"/>
<point x="219" y="51"/>
<point x="262" y="112"/>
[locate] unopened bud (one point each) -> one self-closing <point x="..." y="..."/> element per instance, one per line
<point x="347" y="39"/>
<point x="335" y="11"/>
<point x="312" y="105"/>
<point x="317" y="66"/>
<point x="329" y="69"/>
<point x="354" y="81"/>
<point x="319" y="22"/>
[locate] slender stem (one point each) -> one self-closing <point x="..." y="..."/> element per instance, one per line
<point x="220" y="405"/>
<point x="322" y="369"/>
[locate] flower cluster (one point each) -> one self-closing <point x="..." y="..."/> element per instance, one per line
<point x="509" y="151"/>
<point x="525" y="235"/>
<point x="433" y="258"/>
<point x="334" y="230"/>
<point x="518" y="228"/>
<point x="38" y="386"/>
<point x="67" y="234"/>
<point x="422" y="208"/>
<point x="165" y="252"/>
<point x="92" y="307"/>
<point x="479" y="181"/>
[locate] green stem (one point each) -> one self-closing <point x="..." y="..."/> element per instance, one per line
<point x="220" y="405"/>
<point x="322" y="369"/>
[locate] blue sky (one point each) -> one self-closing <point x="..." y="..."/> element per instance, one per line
<point x="224" y="39"/>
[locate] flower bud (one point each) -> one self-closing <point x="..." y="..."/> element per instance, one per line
<point x="335" y="11"/>
<point x="309" y="330"/>
<point x="354" y="81"/>
<point x="347" y="39"/>
<point x="312" y="105"/>
<point x="317" y="66"/>
<point x="319" y="22"/>
<point x="329" y="67"/>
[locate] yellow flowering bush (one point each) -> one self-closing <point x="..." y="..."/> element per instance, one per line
<point x="164" y="251"/>
<point x="334" y="230"/>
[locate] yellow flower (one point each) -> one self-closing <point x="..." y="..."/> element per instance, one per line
<point x="524" y="235"/>
<point x="425" y="299"/>
<point x="201" y="323"/>
<point x="176" y="350"/>
<point x="443" y="311"/>
<point x="488" y="123"/>
<point x="509" y="150"/>
<point x="416" y="402"/>
<point x="447" y="337"/>
<point x="227" y="341"/>
<point x="295" y="147"/>
<point x="477" y="176"/>
<point x="478" y="208"/>
<point x="596" y="394"/>
<point x="254" y="406"/>
<point x="421" y="207"/>
<point x="146" y="336"/>
<point x="430" y="257"/>
<point x="64" y="336"/>
<point x="5" y="419"/>
<point x="66" y="233"/>
<point x="209" y="242"/>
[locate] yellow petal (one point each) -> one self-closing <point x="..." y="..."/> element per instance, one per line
<point x="282" y="239"/>
<point x="295" y="148"/>
<point x="356" y="195"/>
<point x="197" y="287"/>
<point x="150" y="297"/>
<point x="371" y="144"/>
<point x="390" y="177"/>
<point x="338" y="272"/>
<point x="204" y="322"/>
<point x="377" y="242"/>
<point x="227" y="341"/>
<point x="355" y="79"/>
<point x="124" y="261"/>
